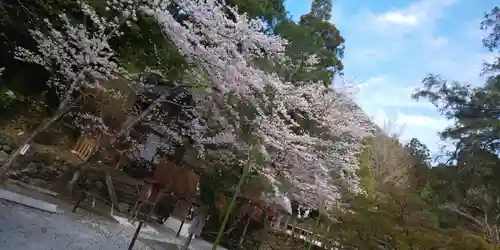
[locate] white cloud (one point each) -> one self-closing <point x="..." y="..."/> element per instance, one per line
<point x="427" y="122"/>
<point x="379" y="37"/>
<point x="418" y="13"/>
<point x="386" y="92"/>
<point x="398" y="18"/>
<point x="407" y="126"/>
<point x="425" y="128"/>
<point x="388" y="101"/>
<point x="379" y="95"/>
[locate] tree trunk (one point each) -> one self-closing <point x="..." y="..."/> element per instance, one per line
<point x="72" y="183"/>
<point x="242" y="238"/>
<point x="232" y="204"/>
<point x="64" y="106"/>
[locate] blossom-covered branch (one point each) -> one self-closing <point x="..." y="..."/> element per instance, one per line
<point x="224" y="43"/>
<point x="77" y="57"/>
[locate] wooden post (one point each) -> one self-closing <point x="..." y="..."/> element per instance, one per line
<point x="80" y="199"/>
<point x="183" y="221"/>
<point x="118" y="167"/>
<point x="287" y="219"/>
<point x="79" y="176"/>
<point x="242" y="238"/>
<point x="134" y="238"/>
<point x="294" y="224"/>
<point x="292" y="233"/>
<point x="111" y="190"/>
<point x="188" y="241"/>
<point x="277" y="223"/>
<point x="308" y="235"/>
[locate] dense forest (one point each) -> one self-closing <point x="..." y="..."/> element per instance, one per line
<point x="240" y="88"/>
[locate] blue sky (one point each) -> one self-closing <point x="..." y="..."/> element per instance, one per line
<point x="392" y="45"/>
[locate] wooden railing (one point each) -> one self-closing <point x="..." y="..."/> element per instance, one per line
<point x="299" y="233"/>
<point x="85" y="146"/>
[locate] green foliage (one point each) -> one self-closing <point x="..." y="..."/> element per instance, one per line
<point x="419" y="151"/>
<point x="312" y="39"/>
<point x="420" y="157"/>
<point x="368" y="182"/>
<point x="7" y="97"/>
<point x="491" y="23"/>
<point x="315" y="46"/>
<point x="464" y="241"/>
<point x="398" y="219"/>
<point x="271" y="12"/>
<point x="144" y="47"/>
<point x="475" y="111"/>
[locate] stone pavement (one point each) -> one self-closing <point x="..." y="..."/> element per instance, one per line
<point x="28" y="228"/>
<point x="161" y="237"/>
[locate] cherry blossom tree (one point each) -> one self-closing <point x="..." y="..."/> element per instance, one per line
<point x="77" y="57"/>
<point x="252" y="108"/>
<point x="304" y="132"/>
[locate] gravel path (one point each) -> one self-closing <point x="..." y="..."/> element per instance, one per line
<point x="32" y="229"/>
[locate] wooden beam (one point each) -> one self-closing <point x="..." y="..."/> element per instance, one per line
<point x="32" y="187"/>
<point x="27" y="201"/>
<point x="111" y="190"/>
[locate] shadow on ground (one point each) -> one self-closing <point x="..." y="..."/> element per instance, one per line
<point x="157" y="245"/>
